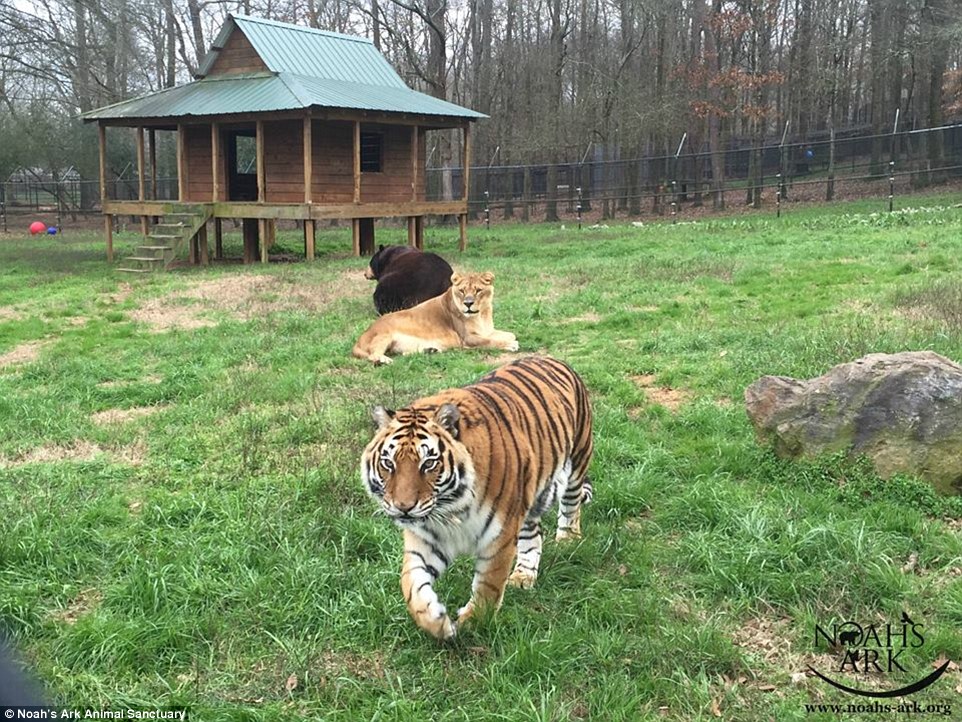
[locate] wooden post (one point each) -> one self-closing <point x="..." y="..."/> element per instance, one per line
<point x="414" y="163"/>
<point x="309" y="240"/>
<point x="141" y="185"/>
<point x="308" y="185"/>
<point x="356" y="236"/>
<point x="261" y="180"/>
<point x="412" y="231"/>
<point x="466" y="163"/>
<point x="217" y="164"/>
<point x="202" y="243"/>
<point x="218" y="239"/>
<point x="366" y="236"/>
<point x="152" y="137"/>
<point x="102" y="140"/>
<point x="182" y="163"/>
<point x="419" y="232"/>
<point x="308" y="159"/>
<point x="463" y="223"/>
<point x="357" y="161"/>
<point x="108" y="222"/>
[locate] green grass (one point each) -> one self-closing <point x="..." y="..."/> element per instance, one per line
<point x="240" y="548"/>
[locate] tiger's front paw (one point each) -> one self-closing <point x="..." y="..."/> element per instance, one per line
<point x="522" y="578"/>
<point x="437" y="623"/>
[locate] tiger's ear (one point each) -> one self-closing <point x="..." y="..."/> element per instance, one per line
<point x="455" y="279"/>
<point x="382" y="416"/>
<point x="448" y="416"/>
<point x="487" y="278"/>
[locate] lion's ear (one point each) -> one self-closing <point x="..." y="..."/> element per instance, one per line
<point x="448" y="416"/>
<point x="487" y="278"/>
<point x="382" y="416"/>
<point x="455" y="279"/>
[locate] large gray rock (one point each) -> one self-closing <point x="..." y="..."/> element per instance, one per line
<point x="903" y="411"/>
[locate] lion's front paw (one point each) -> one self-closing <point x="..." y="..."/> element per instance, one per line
<point x="512" y="345"/>
<point x="382" y="360"/>
<point x="430" y="349"/>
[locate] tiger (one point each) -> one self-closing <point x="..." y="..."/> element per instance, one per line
<point x="471" y="470"/>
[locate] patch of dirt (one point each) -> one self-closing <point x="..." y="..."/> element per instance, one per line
<point x="8" y="314"/>
<point x="671" y="399"/>
<point x="123" y="293"/>
<point x="25" y="353"/>
<point x="77" y="321"/>
<point x="120" y="416"/>
<point x="119" y="384"/>
<point x="245" y="297"/>
<point x="589" y="317"/>
<point x="79" y="451"/>
<point x="81" y="605"/>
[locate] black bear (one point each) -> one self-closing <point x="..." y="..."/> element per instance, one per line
<point x="406" y="276"/>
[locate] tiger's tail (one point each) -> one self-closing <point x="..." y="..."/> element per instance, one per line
<point x="587" y="491"/>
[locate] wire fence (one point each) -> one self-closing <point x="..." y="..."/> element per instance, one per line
<point x="857" y="164"/>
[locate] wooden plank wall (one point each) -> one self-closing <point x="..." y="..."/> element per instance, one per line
<point x="284" y="161"/>
<point x="237" y="56"/>
<point x="333" y="175"/>
<point x="200" y="176"/>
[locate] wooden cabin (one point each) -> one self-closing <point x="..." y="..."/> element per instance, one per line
<point x="283" y="122"/>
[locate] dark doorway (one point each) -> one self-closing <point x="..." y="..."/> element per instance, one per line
<point x="241" y="165"/>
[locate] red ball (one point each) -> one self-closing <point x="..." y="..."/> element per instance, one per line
<point x="37" y="227"/>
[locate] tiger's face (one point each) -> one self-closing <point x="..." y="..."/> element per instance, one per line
<point x="472" y="292"/>
<point x="415" y="468"/>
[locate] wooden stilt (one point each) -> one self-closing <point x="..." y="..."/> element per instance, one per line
<point x="219" y="239"/>
<point x="109" y="233"/>
<point x="262" y="232"/>
<point x="141" y="183"/>
<point x="366" y="233"/>
<point x="412" y="231"/>
<point x="202" y="243"/>
<point x="251" y="227"/>
<point x="356" y="236"/>
<point x="419" y="232"/>
<point x="309" y="240"/>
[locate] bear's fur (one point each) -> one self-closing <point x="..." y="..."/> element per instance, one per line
<point x="406" y="276"/>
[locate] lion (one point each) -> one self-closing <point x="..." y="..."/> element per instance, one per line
<point x="460" y="317"/>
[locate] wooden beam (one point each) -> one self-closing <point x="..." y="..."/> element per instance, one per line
<point x="102" y="141"/>
<point x="356" y="236"/>
<point x="152" y="136"/>
<point x="217" y="163"/>
<point x="466" y="162"/>
<point x="293" y="211"/>
<point x="308" y="160"/>
<point x="261" y="180"/>
<point x="463" y="224"/>
<point x="141" y="183"/>
<point x="415" y="153"/>
<point x="182" y="163"/>
<point x="309" y="240"/>
<point x="357" y="162"/>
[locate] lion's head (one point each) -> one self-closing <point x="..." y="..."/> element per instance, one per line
<point x="473" y="293"/>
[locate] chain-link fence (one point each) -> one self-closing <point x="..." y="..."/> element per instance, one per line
<point x="855" y="165"/>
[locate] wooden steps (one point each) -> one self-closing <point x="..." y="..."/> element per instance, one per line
<point x="167" y="238"/>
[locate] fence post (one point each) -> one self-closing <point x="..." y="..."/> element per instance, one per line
<point x="674" y="201"/>
<point x="778" y="195"/>
<point x="891" y="183"/>
<point x="579" y="207"/>
<point x="487" y="210"/>
<point x="3" y="206"/>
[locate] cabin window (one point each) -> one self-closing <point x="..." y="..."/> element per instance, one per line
<point x="372" y="151"/>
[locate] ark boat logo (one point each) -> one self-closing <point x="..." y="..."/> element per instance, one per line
<point x="873" y="649"/>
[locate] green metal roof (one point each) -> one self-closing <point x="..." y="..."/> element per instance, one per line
<point x="308" y="68"/>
